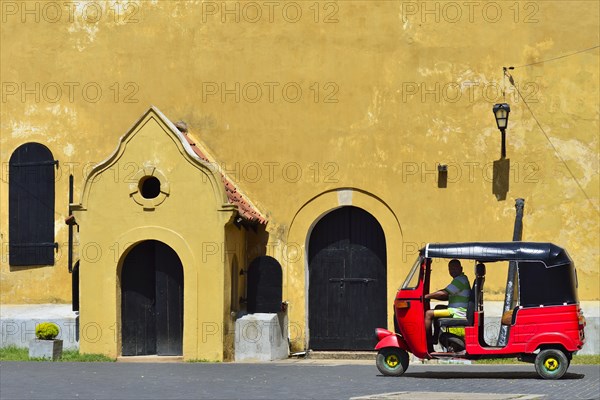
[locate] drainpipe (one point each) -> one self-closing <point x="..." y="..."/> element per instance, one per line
<point x="73" y="269"/>
<point x="70" y="221"/>
<point x="512" y="272"/>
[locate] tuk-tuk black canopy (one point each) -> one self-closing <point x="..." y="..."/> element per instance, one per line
<point x="550" y="254"/>
<point x="546" y="272"/>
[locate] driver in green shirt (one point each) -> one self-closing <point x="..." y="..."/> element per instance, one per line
<point x="457" y="293"/>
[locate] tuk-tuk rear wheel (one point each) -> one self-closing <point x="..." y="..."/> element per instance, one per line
<point x="551" y="364"/>
<point x="392" y="361"/>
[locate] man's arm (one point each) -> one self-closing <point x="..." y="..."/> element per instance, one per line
<point x="439" y="295"/>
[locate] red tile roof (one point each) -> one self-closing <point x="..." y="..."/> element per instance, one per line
<point x="245" y="208"/>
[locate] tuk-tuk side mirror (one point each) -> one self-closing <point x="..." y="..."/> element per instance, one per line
<point x="479" y="269"/>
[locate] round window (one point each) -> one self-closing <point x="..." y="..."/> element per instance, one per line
<point x="149" y="187"/>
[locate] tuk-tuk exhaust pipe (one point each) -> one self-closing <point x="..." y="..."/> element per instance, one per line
<point x="512" y="272"/>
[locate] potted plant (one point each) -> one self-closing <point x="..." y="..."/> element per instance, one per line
<point x="45" y="345"/>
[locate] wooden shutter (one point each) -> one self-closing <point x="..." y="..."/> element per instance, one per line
<point x="31" y="206"/>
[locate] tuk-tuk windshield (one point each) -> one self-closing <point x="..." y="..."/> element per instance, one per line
<point x="412" y="280"/>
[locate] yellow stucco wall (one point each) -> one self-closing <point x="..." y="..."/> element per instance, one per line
<point x="235" y="261"/>
<point x="388" y="91"/>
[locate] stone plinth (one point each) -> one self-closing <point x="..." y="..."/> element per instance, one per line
<point x="47" y="349"/>
<point x="261" y="337"/>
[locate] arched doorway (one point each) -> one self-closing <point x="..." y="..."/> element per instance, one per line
<point x="347" y="280"/>
<point x="264" y="285"/>
<point x="152" y="301"/>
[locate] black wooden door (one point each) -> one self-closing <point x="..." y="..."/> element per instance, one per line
<point x="347" y="280"/>
<point x="152" y="301"/>
<point x="169" y="304"/>
<point x="264" y="285"/>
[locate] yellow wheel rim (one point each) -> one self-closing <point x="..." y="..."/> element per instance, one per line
<point x="551" y="364"/>
<point x="392" y="360"/>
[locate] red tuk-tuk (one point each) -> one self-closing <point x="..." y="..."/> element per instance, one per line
<point x="547" y="324"/>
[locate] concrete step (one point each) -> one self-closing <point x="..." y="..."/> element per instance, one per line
<point x="342" y="355"/>
<point x="150" y="359"/>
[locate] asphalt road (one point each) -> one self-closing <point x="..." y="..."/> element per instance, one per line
<point x="286" y="380"/>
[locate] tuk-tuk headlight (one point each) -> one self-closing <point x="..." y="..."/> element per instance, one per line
<point x="401" y="304"/>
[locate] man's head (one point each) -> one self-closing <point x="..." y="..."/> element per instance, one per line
<point x="454" y="268"/>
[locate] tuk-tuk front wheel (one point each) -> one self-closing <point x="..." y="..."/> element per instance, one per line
<point x="551" y="364"/>
<point x="392" y="361"/>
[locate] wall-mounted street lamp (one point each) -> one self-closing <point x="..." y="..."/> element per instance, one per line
<point x="501" y="112"/>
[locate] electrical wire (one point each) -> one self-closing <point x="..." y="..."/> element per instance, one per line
<point x="512" y="82"/>
<point x="557" y="58"/>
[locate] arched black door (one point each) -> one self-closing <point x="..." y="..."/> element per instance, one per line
<point x="264" y="285"/>
<point x="347" y="280"/>
<point x="152" y="301"/>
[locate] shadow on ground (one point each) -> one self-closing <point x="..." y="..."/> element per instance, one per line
<point x="483" y="375"/>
